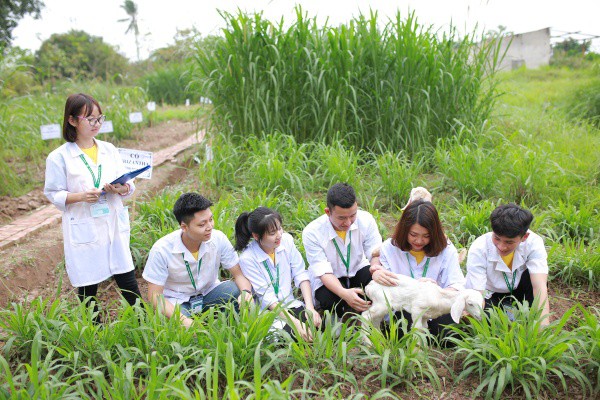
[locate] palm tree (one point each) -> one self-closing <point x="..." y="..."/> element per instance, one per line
<point x="132" y="10"/>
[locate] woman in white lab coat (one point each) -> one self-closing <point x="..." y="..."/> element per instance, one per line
<point x="95" y="223"/>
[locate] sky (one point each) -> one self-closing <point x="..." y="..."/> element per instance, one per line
<point x="158" y="20"/>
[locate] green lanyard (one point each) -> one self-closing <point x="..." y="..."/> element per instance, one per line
<point x="424" y="269"/>
<point x="273" y="282"/>
<point x="96" y="181"/>
<point x="509" y="286"/>
<point x="189" y="270"/>
<point x="346" y="261"/>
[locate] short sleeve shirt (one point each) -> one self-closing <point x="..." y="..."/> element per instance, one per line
<point x="486" y="269"/>
<point x="166" y="267"/>
<point x="322" y="256"/>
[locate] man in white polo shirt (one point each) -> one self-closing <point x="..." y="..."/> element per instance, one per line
<point x="509" y="261"/>
<point x="339" y="248"/>
<point x="183" y="266"/>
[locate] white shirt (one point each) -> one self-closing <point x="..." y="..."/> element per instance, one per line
<point x="485" y="266"/>
<point x="291" y="266"/>
<point x="95" y="248"/>
<point x="166" y="267"/>
<point x="444" y="268"/>
<point x="322" y="256"/>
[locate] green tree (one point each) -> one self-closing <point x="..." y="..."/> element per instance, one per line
<point x="10" y="14"/>
<point x="77" y="54"/>
<point x="573" y="47"/>
<point x="132" y="11"/>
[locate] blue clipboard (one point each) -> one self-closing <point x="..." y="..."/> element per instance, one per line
<point x="130" y="175"/>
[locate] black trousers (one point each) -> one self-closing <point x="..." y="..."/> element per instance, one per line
<point x="523" y="292"/>
<point x="331" y="301"/>
<point x="126" y="282"/>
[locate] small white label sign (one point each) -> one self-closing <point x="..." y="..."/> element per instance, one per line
<point x="208" y="153"/>
<point x="106" y="127"/>
<point x="50" y="131"/>
<point x="136" y="159"/>
<point x="151" y="106"/>
<point x="135" y="117"/>
<point x="187" y="102"/>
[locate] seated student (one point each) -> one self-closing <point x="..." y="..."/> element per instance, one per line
<point x="339" y="247"/>
<point x="509" y="261"/>
<point x="183" y="266"/>
<point x="419" y="249"/>
<point x="270" y="260"/>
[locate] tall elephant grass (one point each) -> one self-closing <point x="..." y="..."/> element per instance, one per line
<point x="402" y="84"/>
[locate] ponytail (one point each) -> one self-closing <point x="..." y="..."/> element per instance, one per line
<point x="242" y="232"/>
<point x="259" y="221"/>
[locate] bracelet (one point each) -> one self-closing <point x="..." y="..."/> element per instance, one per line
<point x="247" y="291"/>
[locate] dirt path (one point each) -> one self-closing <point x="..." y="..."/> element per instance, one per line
<point x="34" y="267"/>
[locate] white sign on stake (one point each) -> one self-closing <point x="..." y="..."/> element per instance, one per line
<point x="187" y="102"/>
<point x="51" y="131"/>
<point x="106" y="127"/>
<point x="135" y="117"/>
<point x="136" y="159"/>
<point x="151" y="106"/>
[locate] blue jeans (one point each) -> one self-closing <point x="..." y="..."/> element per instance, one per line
<point x="224" y="293"/>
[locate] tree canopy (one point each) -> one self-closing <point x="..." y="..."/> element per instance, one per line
<point x="77" y="54"/>
<point x="10" y="14"/>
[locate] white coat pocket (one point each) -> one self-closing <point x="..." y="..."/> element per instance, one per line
<point x="83" y="231"/>
<point x="124" y="220"/>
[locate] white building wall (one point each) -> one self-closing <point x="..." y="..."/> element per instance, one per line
<point x="531" y="49"/>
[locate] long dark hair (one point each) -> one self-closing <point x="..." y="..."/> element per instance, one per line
<point x="422" y="213"/>
<point x="259" y="222"/>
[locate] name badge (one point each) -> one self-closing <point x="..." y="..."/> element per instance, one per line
<point x="100" y="209"/>
<point x="196" y="304"/>
<point x="509" y="310"/>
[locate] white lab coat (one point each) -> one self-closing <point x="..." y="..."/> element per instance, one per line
<point x="95" y="248"/>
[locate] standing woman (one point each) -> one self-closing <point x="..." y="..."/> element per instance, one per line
<point x="420" y="249"/>
<point x="95" y="223"/>
<point x="270" y="261"/>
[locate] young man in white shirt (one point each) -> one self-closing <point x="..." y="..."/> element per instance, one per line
<point x="339" y="248"/>
<point x="510" y="261"/>
<point x="183" y="266"/>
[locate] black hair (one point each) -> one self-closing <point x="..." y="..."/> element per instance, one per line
<point x="189" y="204"/>
<point x="76" y="104"/>
<point x="341" y="195"/>
<point x="425" y="214"/>
<point x="510" y="220"/>
<point x="259" y="221"/>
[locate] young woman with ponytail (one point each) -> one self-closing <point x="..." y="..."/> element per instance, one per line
<point x="270" y="260"/>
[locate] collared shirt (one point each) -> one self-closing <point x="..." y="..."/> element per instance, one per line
<point x="165" y="265"/>
<point x="322" y="256"/>
<point x="485" y="266"/>
<point x="291" y="266"/>
<point x="95" y="248"/>
<point x="443" y="268"/>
